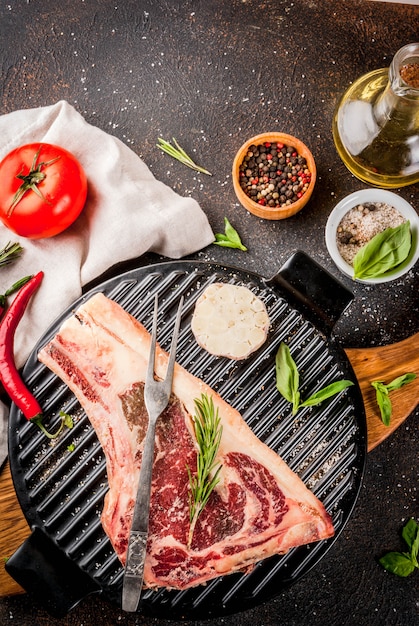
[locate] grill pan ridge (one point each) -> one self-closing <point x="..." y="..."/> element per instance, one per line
<point x="62" y="492"/>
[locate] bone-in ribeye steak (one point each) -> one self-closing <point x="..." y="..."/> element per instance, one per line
<point x="259" y="508"/>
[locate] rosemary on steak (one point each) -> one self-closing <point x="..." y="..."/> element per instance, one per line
<point x="208" y="430"/>
<point x="174" y="150"/>
<point x="288" y="381"/>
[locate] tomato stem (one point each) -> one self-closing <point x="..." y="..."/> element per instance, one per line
<point x="31" y="180"/>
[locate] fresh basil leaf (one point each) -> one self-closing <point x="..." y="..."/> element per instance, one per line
<point x="397" y="563"/>
<point x="414" y="551"/>
<point x="380" y="386"/>
<point x="382" y="390"/>
<point x="384" y="404"/>
<point x="410" y="533"/>
<point x="327" y="392"/>
<point x="231" y="232"/>
<point x="383" y="252"/>
<point x="225" y="243"/>
<point x="222" y="240"/>
<point x="287" y="376"/>
<point x="400" y="381"/>
<point x="231" y="238"/>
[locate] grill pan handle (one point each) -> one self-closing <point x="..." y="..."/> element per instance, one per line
<point x="313" y="290"/>
<point x="45" y="571"/>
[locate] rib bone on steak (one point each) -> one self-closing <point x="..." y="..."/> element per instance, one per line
<point x="259" y="508"/>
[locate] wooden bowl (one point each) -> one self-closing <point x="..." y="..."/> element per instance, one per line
<point x="273" y="213"/>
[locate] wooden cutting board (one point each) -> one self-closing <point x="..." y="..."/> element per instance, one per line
<point x="384" y="363"/>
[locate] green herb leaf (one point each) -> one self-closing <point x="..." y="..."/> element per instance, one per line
<point x="397" y="563"/>
<point x="404" y="563"/>
<point x="383" y="252"/>
<point x="287" y="376"/>
<point x="10" y="252"/>
<point x="410" y="534"/>
<point x="288" y="380"/>
<point x="381" y="394"/>
<point x="11" y="290"/>
<point x="179" y="154"/>
<point x="208" y="431"/>
<point x="327" y="392"/>
<point x="400" y="381"/>
<point x="383" y="401"/>
<point x="231" y="239"/>
<point x="415" y="550"/>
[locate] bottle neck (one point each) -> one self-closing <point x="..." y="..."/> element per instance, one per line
<point x="398" y="103"/>
<point x="404" y="72"/>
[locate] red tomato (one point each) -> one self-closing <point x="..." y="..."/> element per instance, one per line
<point x="43" y="189"/>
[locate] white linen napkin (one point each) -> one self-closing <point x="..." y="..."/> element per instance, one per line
<point x="128" y="213"/>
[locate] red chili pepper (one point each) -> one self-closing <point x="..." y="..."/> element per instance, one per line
<point x="15" y="287"/>
<point x="9" y="375"/>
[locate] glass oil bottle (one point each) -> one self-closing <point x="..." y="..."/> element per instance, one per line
<point x="376" y="123"/>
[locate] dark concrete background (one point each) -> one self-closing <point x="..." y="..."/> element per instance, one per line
<point x="212" y="74"/>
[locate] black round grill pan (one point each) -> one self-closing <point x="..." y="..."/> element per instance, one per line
<point x="61" y="491"/>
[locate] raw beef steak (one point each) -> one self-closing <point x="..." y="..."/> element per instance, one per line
<point x="259" y="507"/>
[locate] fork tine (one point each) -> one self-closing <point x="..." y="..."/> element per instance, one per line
<point x="172" y="355"/>
<point x="152" y="355"/>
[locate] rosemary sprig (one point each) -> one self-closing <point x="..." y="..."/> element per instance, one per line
<point x="179" y="154"/>
<point x="10" y="252"/>
<point x="208" y="431"/>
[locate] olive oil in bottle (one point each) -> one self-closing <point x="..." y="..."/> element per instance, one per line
<point x="376" y="124"/>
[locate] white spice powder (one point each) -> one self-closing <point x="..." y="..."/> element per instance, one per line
<point x="361" y="224"/>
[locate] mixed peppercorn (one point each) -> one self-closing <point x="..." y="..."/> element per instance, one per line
<point x="274" y="174"/>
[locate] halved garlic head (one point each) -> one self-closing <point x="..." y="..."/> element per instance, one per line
<point x="230" y="320"/>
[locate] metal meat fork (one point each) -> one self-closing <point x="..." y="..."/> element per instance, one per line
<point x="156" y="397"/>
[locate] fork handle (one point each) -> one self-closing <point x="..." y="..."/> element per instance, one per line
<point x="142" y="506"/>
<point x="134" y="571"/>
<point x="137" y="543"/>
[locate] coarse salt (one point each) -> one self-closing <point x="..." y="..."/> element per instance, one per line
<point x="362" y="223"/>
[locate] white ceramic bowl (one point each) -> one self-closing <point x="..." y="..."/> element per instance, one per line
<point x="373" y="195"/>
